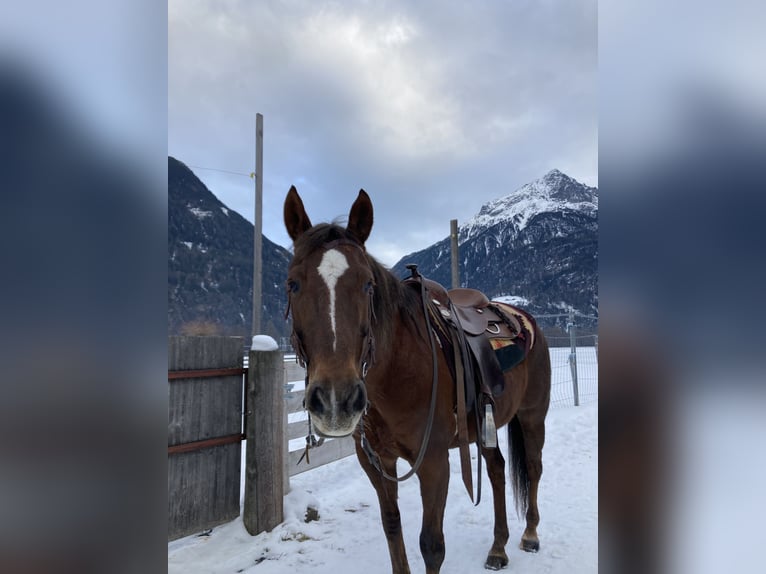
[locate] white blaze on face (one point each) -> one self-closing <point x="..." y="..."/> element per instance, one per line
<point x="331" y="268"/>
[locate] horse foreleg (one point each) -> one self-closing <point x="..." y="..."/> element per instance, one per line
<point x="387" y="492"/>
<point x="434" y="483"/>
<point x="497" y="558"/>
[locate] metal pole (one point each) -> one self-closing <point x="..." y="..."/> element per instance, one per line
<point x="258" y="228"/>
<point x="595" y="339"/>
<point x="573" y="357"/>
<point x="454" y="252"/>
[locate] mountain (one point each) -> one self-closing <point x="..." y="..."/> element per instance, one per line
<point x="538" y="246"/>
<point x="210" y="264"/>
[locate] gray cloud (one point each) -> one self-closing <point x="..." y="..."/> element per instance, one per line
<point x="434" y="108"/>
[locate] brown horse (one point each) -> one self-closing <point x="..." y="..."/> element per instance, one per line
<point x="363" y="336"/>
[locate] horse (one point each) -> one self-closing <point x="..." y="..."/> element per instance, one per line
<point x="363" y="337"/>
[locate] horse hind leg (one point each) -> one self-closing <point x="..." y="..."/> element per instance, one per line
<point x="497" y="558"/>
<point x="527" y="435"/>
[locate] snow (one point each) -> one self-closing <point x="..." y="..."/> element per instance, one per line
<point x="348" y="536"/>
<point x="200" y="213"/>
<point x="520" y="206"/>
<point x="264" y="343"/>
<point x="516" y="300"/>
<point x="225" y="211"/>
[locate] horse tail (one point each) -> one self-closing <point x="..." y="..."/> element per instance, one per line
<point x="517" y="456"/>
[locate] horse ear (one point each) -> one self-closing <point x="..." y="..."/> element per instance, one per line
<point x="296" y="220"/>
<point x="360" y="218"/>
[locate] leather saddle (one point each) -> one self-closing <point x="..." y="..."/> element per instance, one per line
<point x="474" y="320"/>
<point x="476" y="314"/>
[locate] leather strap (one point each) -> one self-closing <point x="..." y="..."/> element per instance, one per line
<point x="462" y="419"/>
<point x="365" y="444"/>
<point x="470" y="396"/>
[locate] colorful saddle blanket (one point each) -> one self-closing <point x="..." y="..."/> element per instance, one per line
<point x="510" y="349"/>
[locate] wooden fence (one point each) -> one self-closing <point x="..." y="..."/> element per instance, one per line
<point x="331" y="450"/>
<point x="204" y="432"/>
<point x="207" y="422"/>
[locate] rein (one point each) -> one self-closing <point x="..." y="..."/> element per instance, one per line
<point x="365" y="444"/>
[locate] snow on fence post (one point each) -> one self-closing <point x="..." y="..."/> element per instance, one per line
<point x="264" y="430"/>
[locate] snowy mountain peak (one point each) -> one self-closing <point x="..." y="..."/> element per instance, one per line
<point x="537" y="245"/>
<point x="555" y="191"/>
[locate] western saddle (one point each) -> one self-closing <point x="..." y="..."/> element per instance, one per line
<point x="465" y="321"/>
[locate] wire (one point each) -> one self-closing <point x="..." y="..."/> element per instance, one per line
<point x="250" y="175"/>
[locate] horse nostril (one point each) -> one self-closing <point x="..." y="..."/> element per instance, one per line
<point x="315" y="403"/>
<point x="358" y="400"/>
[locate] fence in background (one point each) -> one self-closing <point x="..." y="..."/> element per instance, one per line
<point x="574" y="381"/>
<point x="574" y="358"/>
<point x="562" y="379"/>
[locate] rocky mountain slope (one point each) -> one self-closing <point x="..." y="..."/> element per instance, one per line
<point x="210" y="264"/>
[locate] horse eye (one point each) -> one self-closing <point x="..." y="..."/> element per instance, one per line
<point x="368" y="287"/>
<point x="292" y="286"/>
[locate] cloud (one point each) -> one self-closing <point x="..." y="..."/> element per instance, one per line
<point x="402" y="106"/>
<point x="433" y="108"/>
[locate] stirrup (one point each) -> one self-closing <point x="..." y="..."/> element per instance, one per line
<point x="489" y="430"/>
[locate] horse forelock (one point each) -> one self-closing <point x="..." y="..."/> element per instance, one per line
<point x="318" y="237"/>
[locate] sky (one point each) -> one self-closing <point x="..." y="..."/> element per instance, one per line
<point x="433" y="108"/>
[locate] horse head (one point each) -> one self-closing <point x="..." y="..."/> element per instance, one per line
<point x="330" y="288"/>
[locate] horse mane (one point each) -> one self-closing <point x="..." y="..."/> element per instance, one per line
<point x="390" y="295"/>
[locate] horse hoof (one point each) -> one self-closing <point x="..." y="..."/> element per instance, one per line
<point x="496" y="562"/>
<point x="529" y="545"/>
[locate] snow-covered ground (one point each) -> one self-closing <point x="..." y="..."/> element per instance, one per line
<point x="348" y="536"/>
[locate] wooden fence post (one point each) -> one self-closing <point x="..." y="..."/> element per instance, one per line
<point x="454" y="257"/>
<point x="264" y="466"/>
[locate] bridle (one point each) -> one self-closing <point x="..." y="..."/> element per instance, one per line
<point x="367" y="360"/>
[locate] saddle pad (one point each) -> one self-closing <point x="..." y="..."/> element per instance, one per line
<point x="525" y="320"/>
<point x="508" y="353"/>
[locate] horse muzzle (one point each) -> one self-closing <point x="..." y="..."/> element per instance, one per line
<point x="336" y="408"/>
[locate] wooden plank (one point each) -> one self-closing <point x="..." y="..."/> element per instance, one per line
<point x="200" y="492"/>
<point x="201" y="409"/>
<point x="294" y="402"/>
<point x="297" y="429"/>
<point x="294" y="372"/>
<point x="193" y="353"/>
<point x="330" y="451"/>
